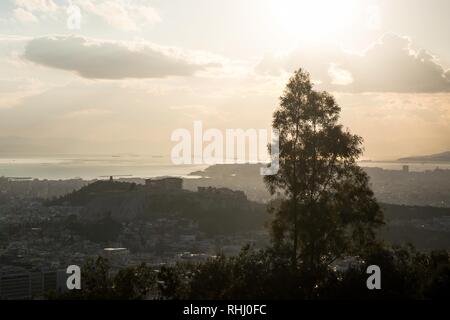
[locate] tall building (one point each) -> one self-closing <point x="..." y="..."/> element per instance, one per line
<point x="31" y="285"/>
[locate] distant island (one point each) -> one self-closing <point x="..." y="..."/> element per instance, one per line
<point x="438" y="157"/>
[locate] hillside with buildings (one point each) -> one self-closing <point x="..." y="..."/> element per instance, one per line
<point x="216" y="210"/>
<point x="402" y="187"/>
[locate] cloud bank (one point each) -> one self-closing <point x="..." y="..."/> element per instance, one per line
<point x="120" y="14"/>
<point x="126" y="15"/>
<point x="94" y="59"/>
<point x="390" y="65"/>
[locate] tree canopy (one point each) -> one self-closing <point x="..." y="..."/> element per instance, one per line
<point x="325" y="208"/>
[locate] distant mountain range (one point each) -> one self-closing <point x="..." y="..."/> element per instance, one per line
<point x="438" y="157"/>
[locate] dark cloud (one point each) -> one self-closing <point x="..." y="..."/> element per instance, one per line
<point x="109" y="60"/>
<point x="389" y="65"/>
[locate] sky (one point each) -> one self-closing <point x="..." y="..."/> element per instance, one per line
<point x="119" y="76"/>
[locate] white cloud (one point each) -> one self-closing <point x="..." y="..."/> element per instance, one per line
<point x="24" y="16"/>
<point x="31" y="11"/>
<point x="339" y="76"/>
<point x="37" y="5"/>
<point x="120" y="14"/>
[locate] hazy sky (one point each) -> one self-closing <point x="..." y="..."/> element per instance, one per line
<point x="134" y="71"/>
